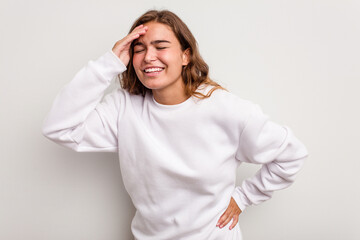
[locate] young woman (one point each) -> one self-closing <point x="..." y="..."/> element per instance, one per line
<point x="179" y="135"/>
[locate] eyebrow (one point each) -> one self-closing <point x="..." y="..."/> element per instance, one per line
<point x="153" y="42"/>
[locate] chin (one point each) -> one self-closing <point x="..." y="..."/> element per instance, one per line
<point x="152" y="84"/>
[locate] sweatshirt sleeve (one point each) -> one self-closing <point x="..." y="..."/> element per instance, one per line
<point x="277" y="149"/>
<point x="77" y="118"/>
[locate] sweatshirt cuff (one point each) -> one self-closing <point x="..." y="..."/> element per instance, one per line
<point x="117" y="59"/>
<point x="109" y="65"/>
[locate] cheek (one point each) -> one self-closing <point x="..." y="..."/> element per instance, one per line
<point x="171" y="59"/>
<point x="163" y="57"/>
<point x="136" y="61"/>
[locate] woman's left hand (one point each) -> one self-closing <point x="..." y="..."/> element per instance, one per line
<point x="232" y="212"/>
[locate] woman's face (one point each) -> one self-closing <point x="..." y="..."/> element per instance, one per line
<point x="158" y="58"/>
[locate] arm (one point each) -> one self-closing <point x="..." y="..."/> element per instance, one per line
<point x="281" y="155"/>
<point x="277" y="149"/>
<point x="77" y="120"/>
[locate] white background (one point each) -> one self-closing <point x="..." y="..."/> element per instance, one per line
<point x="298" y="59"/>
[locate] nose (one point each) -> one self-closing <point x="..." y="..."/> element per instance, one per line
<point x="150" y="55"/>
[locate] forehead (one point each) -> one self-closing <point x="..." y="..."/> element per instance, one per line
<point x="157" y="31"/>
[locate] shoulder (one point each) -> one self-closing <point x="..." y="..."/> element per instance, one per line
<point x="226" y="100"/>
<point x="118" y="97"/>
<point x="120" y="93"/>
<point x="227" y="106"/>
<point x="119" y="101"/>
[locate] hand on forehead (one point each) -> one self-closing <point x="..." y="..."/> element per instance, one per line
<point x="157" y="33"/>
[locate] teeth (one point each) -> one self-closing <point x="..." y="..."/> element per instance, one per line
<point x="153" y="70"/>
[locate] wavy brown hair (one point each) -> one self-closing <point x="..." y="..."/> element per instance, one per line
<point x="193" y="74"/>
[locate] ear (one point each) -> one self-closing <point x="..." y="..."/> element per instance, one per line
<point x="186" y="57"/>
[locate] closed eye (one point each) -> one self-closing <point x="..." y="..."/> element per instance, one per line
<point x="138" y="51"/>
<point x="141" y="50"/>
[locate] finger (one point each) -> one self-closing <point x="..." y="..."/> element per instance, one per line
<point x="227" y="220"/>
<point x="234" y="222"/>
<point x="223" y="217"/>
<point x="139" y="29"/>
<point x="134" y="35"/>
<point x="227" y="214"/>
<point x="125" y="43"/>
<point x="136" y="29"/>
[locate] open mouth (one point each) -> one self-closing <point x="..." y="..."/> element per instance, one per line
<point x="153" y="70"/>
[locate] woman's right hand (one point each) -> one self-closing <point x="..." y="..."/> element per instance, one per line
<point x="122" y="47"/>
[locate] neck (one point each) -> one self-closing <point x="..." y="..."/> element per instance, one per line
<point x="170" y="96"/>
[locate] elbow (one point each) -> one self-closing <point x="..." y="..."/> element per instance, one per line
<point x="289" y="169"/>
<point x="60" y="139"/>
<point x="299" y="158"/>
<point x="295" y="149"/>
<point x="47" y="131"/>
<point x="52" y="133"/>
<point x="288" y="164"/>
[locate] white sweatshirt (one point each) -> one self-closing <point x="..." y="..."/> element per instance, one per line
<point x="178" y="162"/>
